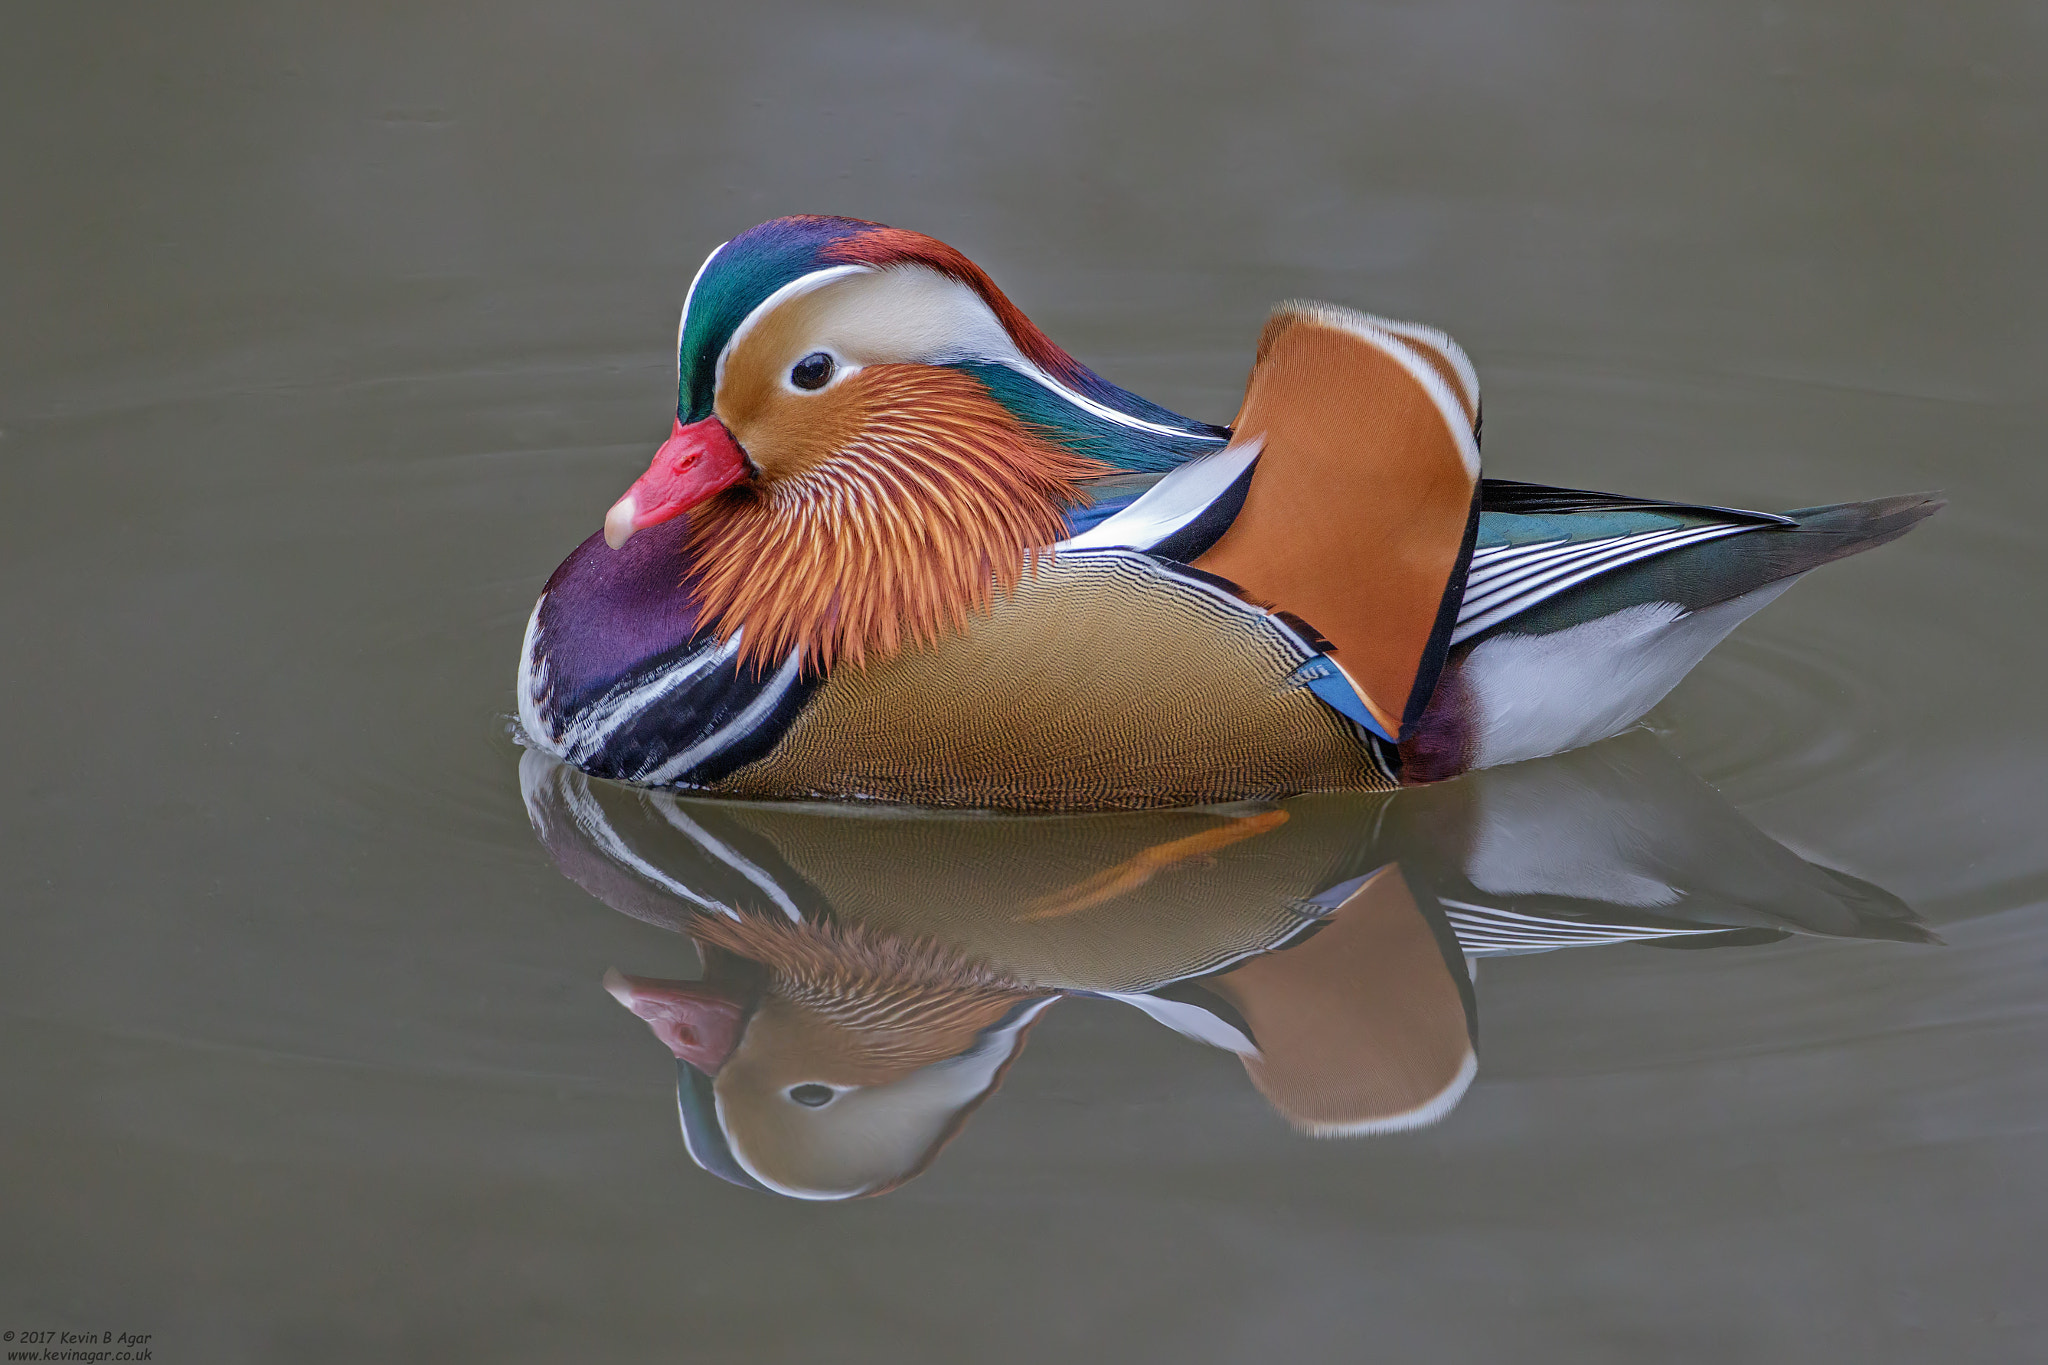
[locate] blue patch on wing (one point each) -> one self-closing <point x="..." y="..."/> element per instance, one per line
<point x="1322" y="677"/>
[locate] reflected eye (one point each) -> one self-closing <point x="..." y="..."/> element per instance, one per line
<point x="811" y="373"/>
<point x="811" y="1095"/>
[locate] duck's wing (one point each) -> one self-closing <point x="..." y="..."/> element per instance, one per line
<point x="1536" y="544"/>
<point x="1345" y="498"/>
<point x="1359" y="515"/>
<point x="1581" y="610"/>
<point x="1566" y="550"/>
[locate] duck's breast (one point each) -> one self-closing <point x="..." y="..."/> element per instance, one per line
<point x="620" y="677"/>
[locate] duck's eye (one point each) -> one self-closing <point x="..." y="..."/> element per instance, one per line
<point x="812" y="372"/>
<point x="811" y="1095"/>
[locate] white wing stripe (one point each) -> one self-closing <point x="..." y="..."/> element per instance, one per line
<point x="1496" y="602"/>
<point x="1491" y="564"/>
<point x="1497" y="576"/>
<point x="1584" y="556"/>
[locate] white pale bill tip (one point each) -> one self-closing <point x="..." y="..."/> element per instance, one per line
<point x="618" y="523"/>
<point x="620" y="988"/>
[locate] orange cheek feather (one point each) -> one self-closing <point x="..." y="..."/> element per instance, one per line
<point x="927" y="499"/>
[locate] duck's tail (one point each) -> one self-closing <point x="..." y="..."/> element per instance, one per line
<point x="1582" y="610"/>
<point x="1841" y="529"/>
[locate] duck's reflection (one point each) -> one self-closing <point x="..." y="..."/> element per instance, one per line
<point x="870" y="975"/>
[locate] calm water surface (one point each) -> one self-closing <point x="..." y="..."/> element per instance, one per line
<point x="327" y="336"/>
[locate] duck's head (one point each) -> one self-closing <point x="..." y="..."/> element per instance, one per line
<point x="868" y="435"/>
<point x="829" y="1063"/>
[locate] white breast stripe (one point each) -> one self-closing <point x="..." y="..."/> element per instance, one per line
<point x="1506" y="581"/>
<point x="533" y="679"/>
<point x="595" y="727"/>
<point x="735" y="730"/>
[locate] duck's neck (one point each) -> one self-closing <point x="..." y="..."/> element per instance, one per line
<point x="940" y="502"/>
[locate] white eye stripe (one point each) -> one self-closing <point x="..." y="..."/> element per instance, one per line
<point x="914" y="314"/>
<point x="803" y="284"/>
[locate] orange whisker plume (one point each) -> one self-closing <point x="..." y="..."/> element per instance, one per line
<point x="941" y="502"/>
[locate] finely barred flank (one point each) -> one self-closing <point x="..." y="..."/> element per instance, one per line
<point x="939" y="503"/>
<point x="1106" y="680"/>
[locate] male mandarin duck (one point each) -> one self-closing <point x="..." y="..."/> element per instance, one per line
<point x="871" y="978"/>
<point x="900" y="546"/>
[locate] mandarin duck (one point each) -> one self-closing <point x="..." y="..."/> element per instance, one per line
<point x="900" y="546"/>
<point x="870" y="978"/>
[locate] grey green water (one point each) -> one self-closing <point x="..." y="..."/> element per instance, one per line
<point x="324" y="335"/>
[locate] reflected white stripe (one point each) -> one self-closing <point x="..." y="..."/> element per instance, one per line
<point x="1488" y="931"/>
<point x="591" y="819"/>
<point x="533" y="680"/>
<point x="726" y="854"/>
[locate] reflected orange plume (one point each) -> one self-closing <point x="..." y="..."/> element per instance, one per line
<point x="883" y="1005"/>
